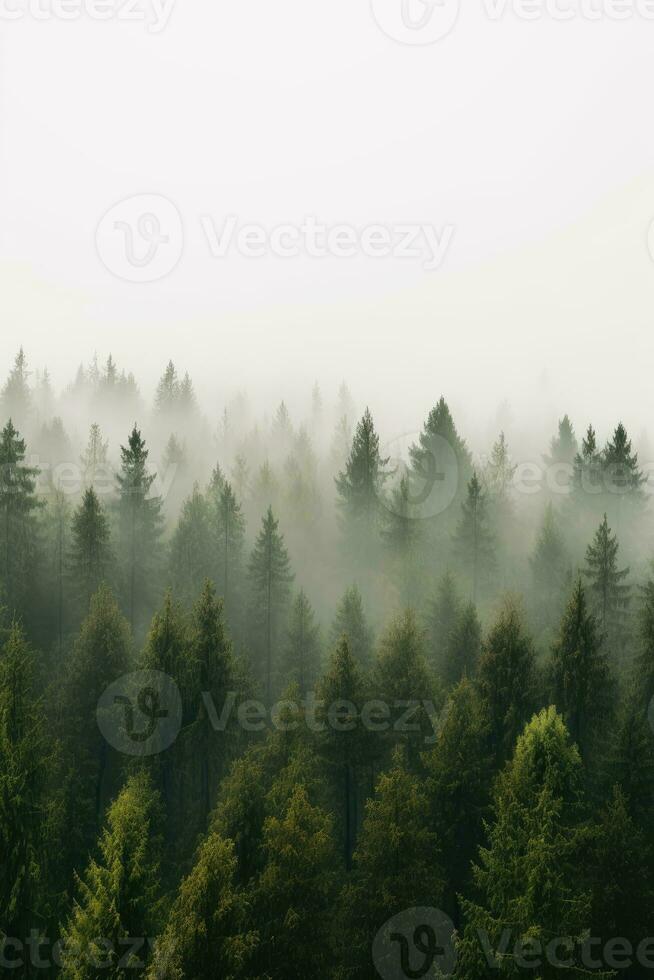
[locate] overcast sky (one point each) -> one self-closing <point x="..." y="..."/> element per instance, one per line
<point x="526" y="147"/>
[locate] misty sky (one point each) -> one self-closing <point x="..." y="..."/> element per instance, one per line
<point x="533" y="141"/>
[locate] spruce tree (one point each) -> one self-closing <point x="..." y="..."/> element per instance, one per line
<point x="167" y="396"/>
<point x="563" y="447"/>
<point x="621" y="472"/>
<point x="140" y="527"/>
<point x="401" y="533"/>
<point x="18" y="529"/>
<point x="16" y="398"/>
<point x="119" y="906"/>
<point x="439" y="448"/>
<point x="270" y="580"/>
<point x="442" y="616"/>
<point x="548" y="567"/>
<point x="192" y="549"/>
<point x="360" y="484"/>
<point x="463" y="647"/>
<point x="301" y="660"/>
<point x="588" y="480"/>
<point x="350" y="621"/>
<point x="90" y="556"/>
<point x="606" y="585"/>
<point x="507" y="680"/>
<point x="229" y="530"/>
<point x="474" y="541"/>
<point x="580" y="680"/>
<point x="527" y="877"/>
<point x="94" y="459"/>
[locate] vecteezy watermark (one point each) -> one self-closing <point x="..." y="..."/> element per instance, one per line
<point x="39" y="952"/>
<point x="71" y="478"/>
<point x="427" y="21"/>
<point x="141" y="713"/>
<point x="418" y="942"/>
<point x="154" y="14"/>
<point x="424" y="476"/>
<point x="141" y="239"/>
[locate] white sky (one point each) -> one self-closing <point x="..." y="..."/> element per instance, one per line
<point x="533" y="140"/>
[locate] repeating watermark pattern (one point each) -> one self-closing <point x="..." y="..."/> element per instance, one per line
<point x="422" y="22"/>
<point x="141" y="239"/>
<point x="416" y="943"/>
<point x="141" y="713"/>
<point x="153" y="14"/>
<point x="424" y="483"/>
<point x="41" y="953"/>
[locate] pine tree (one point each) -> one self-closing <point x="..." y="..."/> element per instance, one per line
<point x="270" y="579"/>
<point x="401" y="534"/>
<point x="644" y="660"/>
<point x="441" y="458"/>
<point x="463" y="646"/>
<point x="474" y="542"/>
<point x="548" y="567"/>
<point x="621" y="473"/>
<point x="167" y="396"/>
<point x="94" y="459"/>
<point x="527" y="876"/>
<point x="631" y="761"/>
<point x="192" y="549"/>
<point x="579" y="675"/>
<point x="57" y="530"/>
<point x="204" y="921"/>
<point x="360" y="484"/>
<point x="350" y="621"/>
<point x="140" y="527"/>
<point x="459" y="777"/>
<point x="507" y="680"/>
<point x="187" y="400"/>
<point x="498" y="474"/>
<point x="282" y="430"/>
<point x="343" y="745"/>
<point x="301" y="661"/>
<point x="396" y="864"/>
<point x="443" y="615"/>
<point x="610" y="596"/>
<point x="229" y="529"/>
<point x="119" y="892"/>
<point x="23" y="762"/>
<point x="587" y="479"/>
<point x="563" y="447"/>
<point x="90" y="556"/>
<point x="16" y="399"/>
<point x="18" y="531"/>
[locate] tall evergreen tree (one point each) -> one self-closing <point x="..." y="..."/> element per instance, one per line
<point x="229" y="529"/>
<point x="192" y="549"/>
<point x="18" y="530"/>
<point x="140" y="527"/>
<point x="443" y="614"/>
<point x="526" y="877"/>
<point x="622" y="474"/>
<point x="119" y="906"/>
<point x="579" y="675"/>
<point x="301" y="660"/>
<point x="16" y="398"/>
<point x="270" y="579"/>
<point x="167" y="397"/>
<point x="474" y="541"/>
<point x="94" y="459"/>
<point x="361" y="483"/>
<point x="587" y="480"/>
<point x="606" y="584"/>
<point x="563" y="447"/>
<point x="548" y="567"/>
<point x="90" y="556"/>
<point x="463" y="646"/>
<point x="350" y="621"/>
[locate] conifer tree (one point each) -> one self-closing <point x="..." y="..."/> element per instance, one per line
<point x="350" y="621"/>
<point x="644" y="660"/>
<point x="94" y="459"/>
<point x="631" y="761"/>
<point x="301" y="661"/>
<point x="401" y="534"/>
<point x="463" y="646"/>
<point x="620" y="464"/>
<point x="579" y="675"/>
<point x="443" y="615"/>
<point x="119" y="893"/>
<point x="140" y="527"/>
<point x="396" y="864"/>
<point x="23" y="761"/>
<point x="90" y="555"/>
<point x="507" y="680"/>
<point x="587" y="481"/>
<point x="548" y="567"/>
<point x="474" y="542"/>
<point x="56" y="528"/>
<point x="16" y="398"/>
<point x="229" y="529"/>
<point x="440" y="429"/>
<point x="497" y="478"/>
<point x="526" y="876"/>
<point x="167" y="396"/>
<point x="606" y="584"/>
<point x="563" y="447"/>
<point x="360" y="484"/>
<point x="192" y="549"/>
<point x="18" y="531"/>
<point x="270" y="579"/>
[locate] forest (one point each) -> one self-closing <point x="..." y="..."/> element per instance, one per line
<point x="284" y="694"/>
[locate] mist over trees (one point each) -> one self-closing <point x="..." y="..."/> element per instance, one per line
<point x="408" y="674"/>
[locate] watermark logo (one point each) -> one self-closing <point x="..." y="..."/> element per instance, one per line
<point x="141" y="713"/>
<point x="425" y="476"/>
<point x="416" y="943"/>
<point x="155" y="14"/>
<point x="141" y="239"/>
<point x="416" y="21"/>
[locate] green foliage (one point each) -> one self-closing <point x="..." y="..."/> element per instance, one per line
<point x="90" y="555"/>
<point x="301" y="660"/>
<point x="606" y="583"/>
<point x="360" y="485"/>
<point x="350" y="621"/>
<point x="18" y="530"/>
<point x="474" y="541"/>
